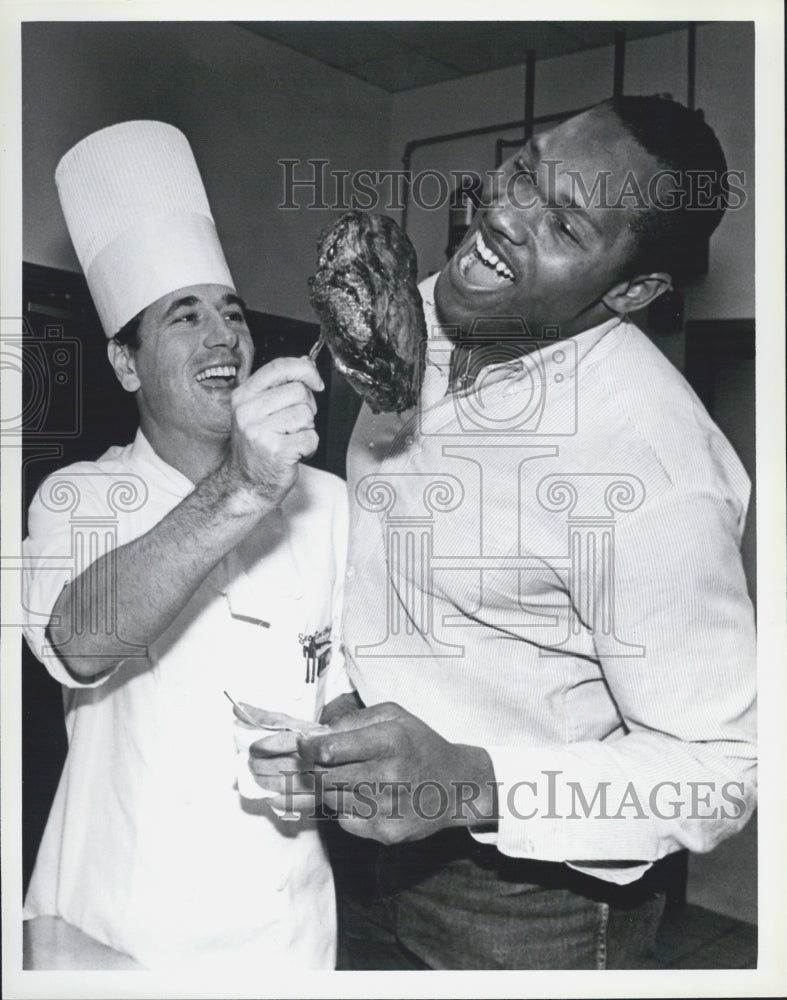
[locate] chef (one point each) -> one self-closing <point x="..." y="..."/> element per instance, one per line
<point x="200" y="558"/>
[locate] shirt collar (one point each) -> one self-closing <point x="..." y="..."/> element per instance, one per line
<point x="167" y="478"/>
<point x="440" y="346"/>
<point x="426" y="288"/>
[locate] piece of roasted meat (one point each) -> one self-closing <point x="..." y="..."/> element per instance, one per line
<point x="370" y="309"/>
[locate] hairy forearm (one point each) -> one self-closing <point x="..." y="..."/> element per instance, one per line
<point x="137" y="590"/>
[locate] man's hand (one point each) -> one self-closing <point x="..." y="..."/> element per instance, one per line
<point x="273" y="426"/>
<point x="341" y="706"/>
<point x="390" y="777"/>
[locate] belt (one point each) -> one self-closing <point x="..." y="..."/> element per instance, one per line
<point x="370" y="868"/>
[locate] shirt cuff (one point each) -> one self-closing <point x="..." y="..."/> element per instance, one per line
<point x="43" y="594"/>
<point x="542" y="817"/>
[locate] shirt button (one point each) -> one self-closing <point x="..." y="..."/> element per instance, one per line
<point x="350" y="572"/>
<point x="409" y="439"/>
<point x="371" y="444"/>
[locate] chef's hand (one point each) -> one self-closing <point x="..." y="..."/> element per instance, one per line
<point x="389" y="777"/>
<point x="275" y="762"/>
<point x="273" y="426"/>
<point x="277" y="767"/>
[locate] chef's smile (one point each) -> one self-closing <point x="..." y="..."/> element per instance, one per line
<point x="218" y="377"/>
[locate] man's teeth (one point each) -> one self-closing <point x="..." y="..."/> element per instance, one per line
<point x="220" y="371"/>
<point x="490" y="258"/>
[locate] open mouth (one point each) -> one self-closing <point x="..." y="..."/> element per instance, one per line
<point x="482" y="267"/>
<point x="218" y="377"/>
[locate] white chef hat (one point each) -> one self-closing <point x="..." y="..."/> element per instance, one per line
<point x="138" y="217"/>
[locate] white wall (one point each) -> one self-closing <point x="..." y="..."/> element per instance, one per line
<point x="244" y="102"/>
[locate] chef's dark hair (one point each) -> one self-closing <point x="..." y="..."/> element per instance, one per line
<point x="128" y="334"/>
<point x="681" y="141"/>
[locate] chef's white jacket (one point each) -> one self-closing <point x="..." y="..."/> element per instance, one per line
<point x="149" y="847"/>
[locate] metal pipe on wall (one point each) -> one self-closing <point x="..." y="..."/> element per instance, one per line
<point x="528" y="123"/>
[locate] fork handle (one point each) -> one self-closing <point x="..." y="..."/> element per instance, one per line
<point x="316" y="348"/>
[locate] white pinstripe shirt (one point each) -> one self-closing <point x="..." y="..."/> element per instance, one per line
<point x="549" y="567"/>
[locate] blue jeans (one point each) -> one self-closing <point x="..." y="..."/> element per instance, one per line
<point x="450" y="903"/>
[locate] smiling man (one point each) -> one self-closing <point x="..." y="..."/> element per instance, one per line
<point x="558" y="244"/>
<point x="546" y="612"/>
<point x="203" y="556"/>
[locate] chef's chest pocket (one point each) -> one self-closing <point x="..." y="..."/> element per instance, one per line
<point x="280" y="598"/>
<point x="285" y="661"/>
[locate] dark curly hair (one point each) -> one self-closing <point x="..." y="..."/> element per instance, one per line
<point x="681" y="142"/>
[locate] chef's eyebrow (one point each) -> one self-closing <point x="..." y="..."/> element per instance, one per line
<point x="187" y="301"/>
<point x="182" y="303"/>
<point x="230" y="299"/>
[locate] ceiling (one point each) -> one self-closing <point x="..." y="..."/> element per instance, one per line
<point x="400" y="55"/>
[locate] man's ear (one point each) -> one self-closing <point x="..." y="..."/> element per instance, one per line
<point x="122" y="360"/>
<point x="636" y="293"/>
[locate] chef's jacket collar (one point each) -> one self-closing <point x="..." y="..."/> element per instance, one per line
<point x="164" y="475"/>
